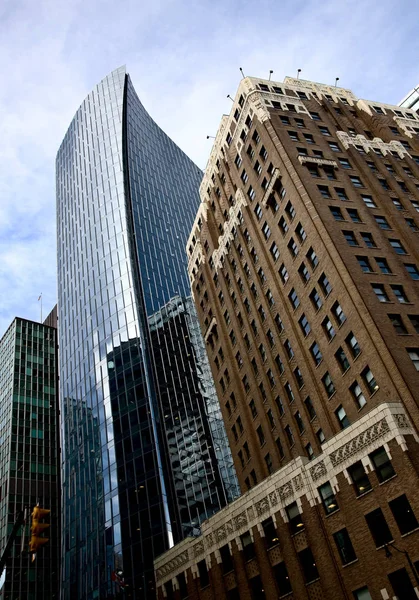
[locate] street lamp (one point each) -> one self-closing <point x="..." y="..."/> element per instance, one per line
<point x="406" y="553"/>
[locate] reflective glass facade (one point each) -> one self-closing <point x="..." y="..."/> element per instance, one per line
<point x="145" y="455"/>
<point x="29" y="448"/>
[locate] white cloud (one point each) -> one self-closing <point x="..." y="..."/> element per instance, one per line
<point x="183" y="58"/>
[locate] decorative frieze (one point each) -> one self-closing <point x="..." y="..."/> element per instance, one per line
<point x="318" y="161"/>
<point x="377" y="144"/>
<point x="196" y="258"/>
<point x="296" y="479"/>
<point x="276" y="174"/>
<point x="408" y="126"/>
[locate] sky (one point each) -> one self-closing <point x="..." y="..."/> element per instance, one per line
<point x="183" y="58"/>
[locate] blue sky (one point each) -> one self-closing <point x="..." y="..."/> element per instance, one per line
<point x="183" y="58"/>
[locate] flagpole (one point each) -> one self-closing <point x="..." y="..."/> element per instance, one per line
<point x="40" y="299"/>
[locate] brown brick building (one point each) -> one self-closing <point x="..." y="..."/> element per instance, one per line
<point x="304" y="265"/>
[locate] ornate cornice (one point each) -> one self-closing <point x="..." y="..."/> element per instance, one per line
<point x="370" y="145"/>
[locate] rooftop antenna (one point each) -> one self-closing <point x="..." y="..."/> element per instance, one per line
<point x="241" y="71"/>
<point x="228" y="96"/>
<point x="270" y="73"/>
<point x="298" y="73"/>
<point x="210" y="136"/>
<point x="336" y="81"/>
<point x="40" y="299"/>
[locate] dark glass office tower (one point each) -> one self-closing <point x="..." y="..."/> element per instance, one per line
<point x="29" y="448"/>
<point x="145" y="455"/>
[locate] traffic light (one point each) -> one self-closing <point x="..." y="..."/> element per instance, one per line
<point x="37" y="528"/>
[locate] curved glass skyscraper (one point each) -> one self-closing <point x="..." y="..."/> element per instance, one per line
<point x="145" y="455"/>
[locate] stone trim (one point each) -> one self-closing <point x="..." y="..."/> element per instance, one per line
<point x="229" y="225"/>
<point x="368" y="145"/>
<point x="300" y="477"/>
<point x="276" y="174"/>
<point x="318" y="161"/>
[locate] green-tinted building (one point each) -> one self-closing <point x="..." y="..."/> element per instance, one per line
<point x="29" y="454"/>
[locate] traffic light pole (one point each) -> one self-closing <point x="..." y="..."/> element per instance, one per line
<point x="20" y="519"/>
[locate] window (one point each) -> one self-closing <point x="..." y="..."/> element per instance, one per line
<point x="279" y="405"/>
<point x="369" y="202"/>
<point x="324" y="190"/>
<point x="278" y="323"/>
<point x="244" y="176"/>
<point x="356" y="181"/>
<point x="270" y="298"/>
<point x="359" y="478"/>
<point x="325" y="284"/>
<point x="304" y="273"/>
<point x="365" y="264"/>
<point x="239" y="360"/>
<point x="380" y="292"/>
<point x="342" y="418"/>
<point x="317" y="153"/>
<point x="414" y="356"/>
<point x="382" y="222"/>
<point x="261" y="435"/>
<point x="293" y="298"/>
<point x="256" y="137"/>
<point x="357" y="394"/>
<point x="274" y="251"/>
<point x="299" y="123"/>
<point x="397" y="204"/>
<point x="403" y="514"/>
<point x="334" y="146"/>
<point x="263" y="153"/>
<point x="309" y="450"/>
<point x="282" y="578"/>
<point x="233" y="338"/>
<point x="328" y="384"/>
<point x="288" y="349"/>
<point x="308" y="565"/>
<point x="302" y="151"/>
<point x="226" y="559"/>
<point x="415" y="205"/>
<point x="271" y="338"/>
<point x="309" y="138"/>
<point x="353" y="345"/>
<point x="283" y="225"/>
<point x="304" y="324"/>
<point x="315" y="299"/>
<point x="316" y="353"/>
<point x="290" y="436"/>
<point x="382" y="464"/>
<point x="324" y="130"/>
<point x="336" y="213"/>
<point x="378" y="527"/>
<point x="312" y="258"/>
<point x="354" y="215"/>
<point x="248" y="546"/>
<point x="400" y="294"/>
<point x="327" y="496"/>
<point x="271" y="534"/>
<point x="258" y="212"/>
<point x="257" y="167"/>
<point x="285" y="120"/>
<point x="372" y="166"/>
<point x="203" y="573"/>
<point x="368" y="240"/>
<point x="253" y="409"/>
<point x="266" y="231"/>
<point x="320" y="436"/>
<point x="328" y="328"/>
<point x="299" y="421"/>
<point x="350" y="238"/>
<point x="262" y="313"/>
<point x="341" y="194"/>
<point x="315" y="116"/>
<point x="238" y="161"/>
<point x="344" y="546"/>
<point x="310" y="408"/>
<point x="383" y="265"/>
<point x="345" y="164"/>
<point x="293" y="135"/>
<point x="413" y="271"/>
<point x="289" y="209"/>
<point x="301" y="234"/>
<point x="342" y="359"/>
<point x="294" y="518"/>
<point x="293" y="248"/>
<point x="369" y="380"/>
<point x="329" y="172"/>
<point x="414" y="319"/>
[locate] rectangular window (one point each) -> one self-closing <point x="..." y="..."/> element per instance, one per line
<point x="397" y="246"/>
<point x="353" y="345"/>
<point x="315" y="299"/>
<point x="203" y="574"/>
<point x="304" y="324"/>
<point x="289" y="209"/>
<point x="350" y="238"/>
<point x="369" y="202"/>
<point x="334" y="146"/>
<point x="316" y="353"/>
<point x="304" y="273"/>
<point x="378" y="527"/>
<point x="336" y="213"/>
<point x="315" y="116"/>
<point x="293" y="135"/>
<point x="324" y="130"/>
<point x="342" y="359"/>
<point x="308" y="565"/>
<point x="383" y="265"/>
<point x="359" y="478"/>
<point x="325" y="285"/>
<point x="382" y="464"/>
<point x="290" y="436"/>
<point x="414" y="356"/>
<point x="413" y="271"/>
<point x="345" y="164"/>
<point x="293" y="248"/>
<point x="226" y="559"/>
<point x="357" y="394"/>
<point x="312" y="258"/>
<point x="283" y="225"/>
<point x="248" y="546"/>
<point x="342" y="417"/>
<point x="365" y="264"/>
<point x="310" y="408"/>
<point x="380" y="292"/>
<point x="261" y="435"/>
<point x="324" y="190"/>
<point x="282" y="578"/>
<point x="341" y="194"/>
<point x="299" y="421"/>
<point x="382" y="222"/>
<point x="414" y="319"/>
<point x="328" y="329"/>
<point x="399" y="292"/>
<point x="403" y="514"/>
<point x="344" y="546"/>
<point x="354" y="215"/>
<point x="368" y="240"/>
<point x="356" y="181"/>
<point x="294" y="518"/>
<point x="309" y="138"/>
<point x="266" y="231"/>
<point x="329" y="501"/>
<point x="293" y="298"/>
<point x="369" y="380"/>
<point x="274" y="251"/>
<point x="328" y="384"/>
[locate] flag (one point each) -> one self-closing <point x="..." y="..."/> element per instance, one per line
<point x="39" y="297"/>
